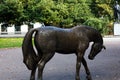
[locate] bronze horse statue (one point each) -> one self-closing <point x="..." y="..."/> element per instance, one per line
<point x="49" y="40"/>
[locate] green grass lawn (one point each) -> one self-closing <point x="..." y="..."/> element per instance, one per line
<point x="10" y="42"/>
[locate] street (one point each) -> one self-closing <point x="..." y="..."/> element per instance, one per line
<point x="105" y="66"/>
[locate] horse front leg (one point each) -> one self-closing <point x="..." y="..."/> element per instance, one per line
<point x="78" y="65"/>
<point x="86" y="69"/>
<point x="32" y="77"/>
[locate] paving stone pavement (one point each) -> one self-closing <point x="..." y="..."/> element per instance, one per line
<point x="106" y="65"/>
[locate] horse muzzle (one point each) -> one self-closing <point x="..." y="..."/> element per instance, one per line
<point x="90" y="57"/>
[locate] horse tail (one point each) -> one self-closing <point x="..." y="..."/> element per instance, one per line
<point x="29" y="55"/>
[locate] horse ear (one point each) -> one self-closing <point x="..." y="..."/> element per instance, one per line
<point x="103" y="47"/>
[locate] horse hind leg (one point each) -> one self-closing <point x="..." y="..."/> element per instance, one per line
<point x="86" y="69"/>
<point x="45" y="58"/>
<point x="32" y="76"/>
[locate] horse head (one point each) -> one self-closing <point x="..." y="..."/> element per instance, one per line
<point x="96" y="48"/>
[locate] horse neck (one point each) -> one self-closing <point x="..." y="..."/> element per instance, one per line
<point x="95" y="37"/>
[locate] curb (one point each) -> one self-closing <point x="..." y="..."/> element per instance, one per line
<point x="111" y="36"/>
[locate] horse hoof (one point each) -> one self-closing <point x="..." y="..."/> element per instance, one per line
<point x="32" y="78"/>
<point x="77" y="78"/>
<point x="89" y="78"/>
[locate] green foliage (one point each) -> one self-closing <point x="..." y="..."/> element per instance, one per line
<point x="10" y="11"/>
<point x="104" y="8"/>
<point x="61" y="13"/>
<point x="46" y="12"/>
<point x="100" y="24"/>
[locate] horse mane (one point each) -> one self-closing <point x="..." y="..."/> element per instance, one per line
<point x="92" y="34"/>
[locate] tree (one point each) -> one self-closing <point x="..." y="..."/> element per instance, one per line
<point x="103" y="8"/>
<point x="28" y="12"/>
<point x="45" y="12"/>
<point x="10" y="11"/>
<point x="61" y="13"/>
<point x="79" y="11"/>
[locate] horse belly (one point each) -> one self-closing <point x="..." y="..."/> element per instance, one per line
<point x="66" y="42"/>
<point x="66" y="47"/>
<point x="66" y="51"/>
